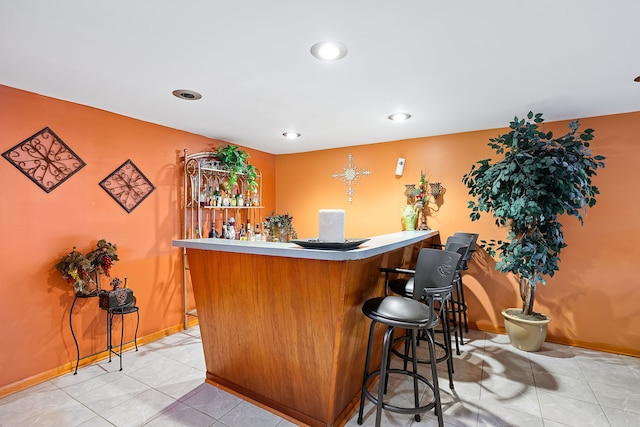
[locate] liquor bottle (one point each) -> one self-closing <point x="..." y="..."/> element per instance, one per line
<point x="231" y="231"/>
<point x="223" y="234"/>
<point x="212" y="233"/>
<point x="197" y="233"/>
<point x="217" y="197"/>
<point x="240" y="198"/>
<point x="258" y="237"/>
<point x="203" y="196"/>
<point x="210" y="201"/>
<point x="250" y="234"/>
<point x="243" y="233"/>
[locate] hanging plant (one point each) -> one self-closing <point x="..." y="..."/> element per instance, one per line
<point x="236" y="162"/>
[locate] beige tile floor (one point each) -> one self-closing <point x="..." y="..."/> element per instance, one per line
<point x="495" y="385"/>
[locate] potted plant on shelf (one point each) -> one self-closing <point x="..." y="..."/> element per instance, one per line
<point x="279" y="228"/>
<point x="539" y="179"/>
<point x="236" y="162"/>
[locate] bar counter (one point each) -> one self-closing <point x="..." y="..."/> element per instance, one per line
<point x="282" y="325"/>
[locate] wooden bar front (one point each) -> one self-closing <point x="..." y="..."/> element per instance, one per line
<point x="288" y="333"/>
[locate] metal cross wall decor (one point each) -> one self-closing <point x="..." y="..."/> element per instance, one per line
<point x="127" y="185"/>
<point x="45" y="159"/>
<point x="350" y="175"/>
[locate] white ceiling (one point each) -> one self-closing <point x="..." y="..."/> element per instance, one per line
<point x="454" y="65"/>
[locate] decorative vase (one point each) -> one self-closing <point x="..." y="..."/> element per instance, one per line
<point x="526" y="335"/>
<point x="279" y="234"/>
<point x="409" y="217"/>
<point x="85" y="287"/>
<point x="423" y="219"/>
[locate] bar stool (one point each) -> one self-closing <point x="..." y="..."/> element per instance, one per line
<point x="458" y="303"/>
<point x="473" y="239"/>
<point x="442" y="297"/>
<point x="121" y="311"/>
<point x="433" y="267"/>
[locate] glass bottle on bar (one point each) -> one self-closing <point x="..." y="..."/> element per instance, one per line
<point x="250" y="234"/>
<point x="217" y="197"/>
<point x="231" y="231"/>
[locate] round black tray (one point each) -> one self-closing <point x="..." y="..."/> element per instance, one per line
<point x="318" y="244"/>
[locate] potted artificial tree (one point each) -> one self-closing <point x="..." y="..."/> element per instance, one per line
<point x="539" y="179"/>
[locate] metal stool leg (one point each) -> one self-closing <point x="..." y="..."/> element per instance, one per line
<point x="135" y="335"/>
<point x="109" y="334"/>
<point x="367" y="364"/>
<point x="121" y="335"/>
<point x="434" y="374"/>
<point x="464" y="305"/>
<point x="447" y="342"/>
<point x="414" y="361"/>
<point x="75" y="340"/>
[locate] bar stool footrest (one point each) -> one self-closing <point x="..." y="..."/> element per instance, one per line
<point x="400" y="409"/>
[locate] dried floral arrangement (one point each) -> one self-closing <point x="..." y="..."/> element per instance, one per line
<point x="76" y="267"/>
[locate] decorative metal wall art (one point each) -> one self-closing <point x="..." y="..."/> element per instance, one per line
<point x="350" y="175"/>
<point x="45" y="159"/>
<point x="128" y="186"/>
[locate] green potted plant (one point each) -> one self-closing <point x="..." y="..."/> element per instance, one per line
<point x="538" y="180"/>
<point x="279" y="228"/>
<point x="236" y="162"/>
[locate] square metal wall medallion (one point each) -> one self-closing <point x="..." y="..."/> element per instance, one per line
<point x="45" y="159"/>
<point x="128" y="186"/>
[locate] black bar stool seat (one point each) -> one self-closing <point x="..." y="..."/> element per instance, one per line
<point x="434" y="269"/>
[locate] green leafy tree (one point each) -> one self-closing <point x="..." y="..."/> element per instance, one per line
<point x="539" y="179"/>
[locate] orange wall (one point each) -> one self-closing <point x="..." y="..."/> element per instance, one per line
<point x="37" y="229"/>
<point x="592" y="298"/>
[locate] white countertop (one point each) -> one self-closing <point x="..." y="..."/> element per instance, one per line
<point x="375" y="246"/>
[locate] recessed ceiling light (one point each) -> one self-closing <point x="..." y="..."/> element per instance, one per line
<point x="186" y="94"/>
<point x="291" y="134"/>
<point x="329" y="50"/>
<point x="398" y="117"/>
